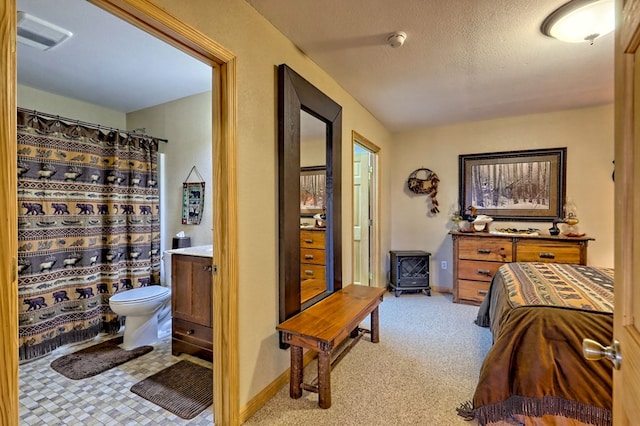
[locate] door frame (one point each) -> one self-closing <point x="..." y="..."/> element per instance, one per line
<point x="9" y="406"/>
<point x="157" y="22"/>
<point x="626" y="317"/>
<point x="374" y="242"/>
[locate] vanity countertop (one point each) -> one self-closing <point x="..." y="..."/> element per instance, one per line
<point x="203" y="251"/>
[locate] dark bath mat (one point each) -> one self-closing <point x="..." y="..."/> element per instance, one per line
<point x="95" y="359"/>
<point x="184" y="388"/>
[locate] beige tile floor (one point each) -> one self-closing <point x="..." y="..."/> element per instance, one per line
<point x="49" y="398"/>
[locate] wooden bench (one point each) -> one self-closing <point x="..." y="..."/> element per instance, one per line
<point x="322" y="327"/>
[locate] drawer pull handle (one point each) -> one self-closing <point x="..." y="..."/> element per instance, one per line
<point x="484" y="272"/>
<point x="547" y="255"/>
<point x="207" y="268"/>
<point x="482" y="292"/>
<point x="308" y="272"/>
<point x="308" y="241"/>
<point x="484" y="251"/>
<point x="190" y="332"/>
<point x="308" y="256"/>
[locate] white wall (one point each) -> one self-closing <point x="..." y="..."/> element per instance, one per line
<point x="313" y="153"/>
<point x="50" y="103"/>
<point x="587" y="134"/>
<point x="186" y="124"/>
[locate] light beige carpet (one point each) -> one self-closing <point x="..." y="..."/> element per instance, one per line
<point x="426" y="364"/>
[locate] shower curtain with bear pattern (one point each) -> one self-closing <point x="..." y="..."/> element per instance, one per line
<point x="88" y="227"/>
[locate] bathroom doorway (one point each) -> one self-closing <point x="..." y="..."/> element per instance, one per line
<point x="366" y="239"/>
<point x="165" y="27"/>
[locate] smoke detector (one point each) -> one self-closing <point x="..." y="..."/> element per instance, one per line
<point x="396" y="39"/>
<point x="38" y="33"/>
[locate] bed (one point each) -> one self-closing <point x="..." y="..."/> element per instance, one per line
<point x="535" y="372"/>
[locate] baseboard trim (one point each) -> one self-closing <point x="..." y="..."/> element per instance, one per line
<point x="437" y="289"/>
<point x="269" y="392"/>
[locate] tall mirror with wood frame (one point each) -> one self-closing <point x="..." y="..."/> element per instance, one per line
<point x="310" y="221"/>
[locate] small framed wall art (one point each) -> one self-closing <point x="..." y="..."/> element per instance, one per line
<point x="192" y="200"/>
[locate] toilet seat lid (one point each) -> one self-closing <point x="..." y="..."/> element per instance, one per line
<point x="140" y="294"/>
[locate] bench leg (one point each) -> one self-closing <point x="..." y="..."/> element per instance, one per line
<point x="324" y="379"/>
<point x="295" y="382"/>
<point x="375" y="334"/>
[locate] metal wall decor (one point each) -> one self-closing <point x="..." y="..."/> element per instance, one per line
<point x="192" y="199"/>
<point x="425" y="181"/>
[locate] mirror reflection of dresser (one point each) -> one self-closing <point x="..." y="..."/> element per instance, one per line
<point x="313" y="158"/>
<point x="312" y="263"/>
<point x="305" y="276"/>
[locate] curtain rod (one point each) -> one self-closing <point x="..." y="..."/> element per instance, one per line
<point x="86" y="124"/>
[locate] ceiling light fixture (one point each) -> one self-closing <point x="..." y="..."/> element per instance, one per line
<point x="580" y="21"/>
<point x="38" y="33"/>
<point x="396" y="39"/>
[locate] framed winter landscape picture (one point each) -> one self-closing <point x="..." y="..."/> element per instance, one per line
<point x="514" y="185"/>
<point x="312" y="190"/>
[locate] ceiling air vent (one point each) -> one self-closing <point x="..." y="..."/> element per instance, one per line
<point x="38" y="33"/>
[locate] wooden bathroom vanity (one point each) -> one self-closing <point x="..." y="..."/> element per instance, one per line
<point x="191" y="304"/>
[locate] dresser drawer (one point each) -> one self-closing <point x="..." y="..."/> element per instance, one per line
<point x="477" y="257"/>
<point x="192" y="333"/>
<point x="477" y="270"/>
<point x="312" y="271"/>
<point x="548" y="251"/>
<point x="313" y="256"/>
<point x="473" y="291"/>
<point x="312" y="239"/>
<point x="480" y="248"/>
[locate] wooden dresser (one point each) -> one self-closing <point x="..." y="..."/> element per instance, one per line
<point x="478" y="255"/>
<point x="191" y="299"/>
<point x="312" y="263"/>
<point x="312" y="254"/>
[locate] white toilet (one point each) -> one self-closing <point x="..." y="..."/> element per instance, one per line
<point x="141" y="306"/>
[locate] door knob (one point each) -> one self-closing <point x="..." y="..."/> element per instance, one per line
<point x="594" y="351"/>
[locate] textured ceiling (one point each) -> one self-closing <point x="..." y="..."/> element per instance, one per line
<point x="107" y="61"/>
<point x="463" y="60"/>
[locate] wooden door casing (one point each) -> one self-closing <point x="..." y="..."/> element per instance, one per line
<point x="626" y="381"/>
<point x="361" y="218"/>
<point x="9" y="218"/>
<point x="373" y="256"/>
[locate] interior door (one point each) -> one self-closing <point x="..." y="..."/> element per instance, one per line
<point x="626" y="381"/>
<point x="361" y="219"/>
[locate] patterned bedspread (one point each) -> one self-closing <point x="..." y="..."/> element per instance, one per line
<point x="538" y="314"/>
<point x="555" y="284"/>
